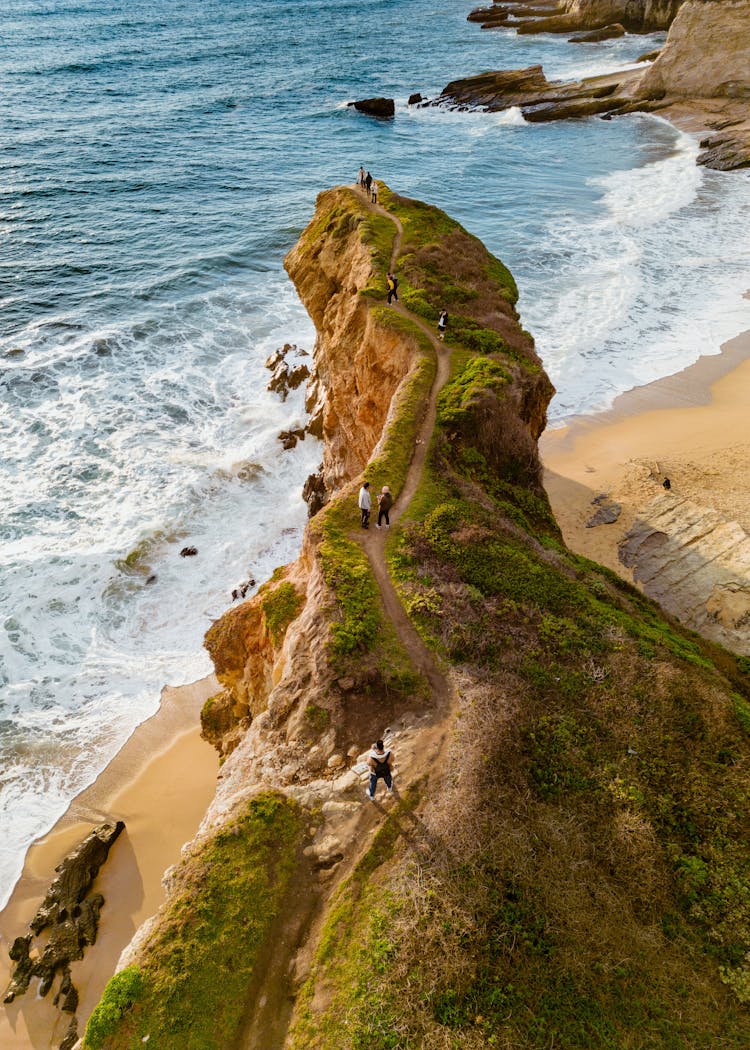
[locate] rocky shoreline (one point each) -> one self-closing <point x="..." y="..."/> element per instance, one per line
<point x="714" y="83"/>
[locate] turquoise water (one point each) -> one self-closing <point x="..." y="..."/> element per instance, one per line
<point x="156" y="163"/>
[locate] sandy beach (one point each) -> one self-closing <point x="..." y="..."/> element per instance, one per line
<point x="160" y="784"/>
<point x="691" y="428"/>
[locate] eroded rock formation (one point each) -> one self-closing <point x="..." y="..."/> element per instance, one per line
<point x="696" y="564"/>
<point x="69" y="918"/>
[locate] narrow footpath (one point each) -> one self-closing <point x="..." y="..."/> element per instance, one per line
<point x="419" y="751"/>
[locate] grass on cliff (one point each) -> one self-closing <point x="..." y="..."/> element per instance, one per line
<point x="441" y="265"/>
<point x="199" y="968"/>
<point x="361" y="626"/>
<point x="582" y="877"/>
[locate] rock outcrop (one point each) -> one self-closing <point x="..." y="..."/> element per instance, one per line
<point x="707" y="54"/>
<point x="531" y="845"/>
<point x="539" y="16"/>
<point x="69" y="918"/>
<point x="375" y="107"/>
<point x="696" y="564"/>
<point x="706" y="61"/>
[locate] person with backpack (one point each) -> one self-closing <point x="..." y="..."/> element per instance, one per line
<point x="379" y="761"/>
<point x="385" y="502"/>
<point x="442" y="323"/>
<point x="392" y="282"/>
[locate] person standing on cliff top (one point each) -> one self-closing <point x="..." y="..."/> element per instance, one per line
<point x="361" y="176"/>
<point x="365" y="502"/>
<point x="368" y="183"/>
<point x="374" y="192"/>
<point x="385" y="502"/>
<point x="392" y="282"/>
<point x="379" y="760"/>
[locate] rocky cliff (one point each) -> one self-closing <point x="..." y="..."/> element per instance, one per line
<point x="566" y="16"/>
<point x="566" y="859"/>
<point x="707" y="53"/>
<point x="701" y="77"/>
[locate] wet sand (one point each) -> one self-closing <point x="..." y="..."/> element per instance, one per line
<point x="692" y="427"/>
<point x="160" y="783"/>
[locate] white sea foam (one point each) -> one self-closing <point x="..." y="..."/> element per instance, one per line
<point x="166" y="452"/>
<point x="650" y="281"/>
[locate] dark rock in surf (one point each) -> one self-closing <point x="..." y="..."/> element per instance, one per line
<point x="415" y="99"/>
<point x="375" y="107"/>
<point x="188" y="552"/>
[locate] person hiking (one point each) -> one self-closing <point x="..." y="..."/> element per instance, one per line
<point x="361" y="176"/>
<point x="392" y="282"/>
<point x="374" y="192"/>
<point x="442" y="323"/>
<point x="365" y="502"/>
<point x="385" y="502"/>
<point x="368" y="183"/>
<point x="379" y="762"/>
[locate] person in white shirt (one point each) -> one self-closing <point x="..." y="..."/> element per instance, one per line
<point x="379" y="761"/>
<point x="365" y="503"/>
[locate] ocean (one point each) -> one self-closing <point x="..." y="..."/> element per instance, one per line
<point x="156" y="163"/>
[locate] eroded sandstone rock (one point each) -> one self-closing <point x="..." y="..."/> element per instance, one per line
<point x="696" y="564"/>
<point x="610" y="32"/>
<point x="70" y="917"/>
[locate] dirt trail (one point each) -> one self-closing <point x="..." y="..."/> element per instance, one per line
<point x="420" y="744"/>
<point x="374" y="541"/>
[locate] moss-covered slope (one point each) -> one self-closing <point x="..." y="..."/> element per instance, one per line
<point x="580" y="878"/>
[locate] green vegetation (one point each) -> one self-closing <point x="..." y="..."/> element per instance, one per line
<point x="280" y="606"/>
<point x="581" y="876"/>
<point x="123" y="991"/>
<point x="358" y="922"/>
<point x="441" y="265"/>
<point x="197" y="972"/>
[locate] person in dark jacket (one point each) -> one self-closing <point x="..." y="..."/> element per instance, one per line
<point x="442" y="323"/>
<point x="385" y="502"/>
<point x="380" y="762"/>
<point x="392" y="282"/>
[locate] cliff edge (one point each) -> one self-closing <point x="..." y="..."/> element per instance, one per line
<point x="565" y="861"/>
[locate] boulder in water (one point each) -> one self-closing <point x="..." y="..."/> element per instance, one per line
<point x="375" y="107"/>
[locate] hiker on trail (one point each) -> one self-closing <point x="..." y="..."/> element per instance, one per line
<point x="374" y="192"/>
<point x="385" y="502"/>
<point x="379" y="761"/>
<point x="365" y="503"/>
<point x="361" y="176"/>
<point x="442" y="323"/>
<point x="368" y="183"/>
<point x="392" y="281"/>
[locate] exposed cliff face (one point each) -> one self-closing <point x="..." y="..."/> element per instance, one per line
<point x="704" y="64"/>
<point x="638" y="16"/>
<point x="707" y="53"/>
<point x="358" y="362"/>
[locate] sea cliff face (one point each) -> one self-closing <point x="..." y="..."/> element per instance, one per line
<point x="567" y="851"/>
<point x="707" y="53"/>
